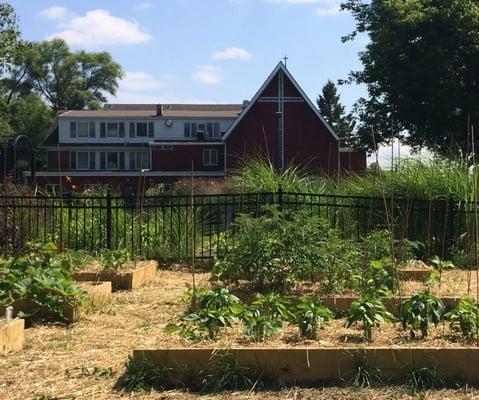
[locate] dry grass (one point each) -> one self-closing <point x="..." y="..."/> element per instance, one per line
<point x="60" y="362"/>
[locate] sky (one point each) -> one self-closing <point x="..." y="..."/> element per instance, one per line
<point x="205" y="51"/>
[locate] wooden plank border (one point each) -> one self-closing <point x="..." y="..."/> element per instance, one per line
<point x="314" y="366"/>
<point x="144" y="273"/>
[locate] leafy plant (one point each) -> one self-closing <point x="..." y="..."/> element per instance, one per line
<point x="363" y="376"/>
<point x="265" y="315"/>
<point x="214" y="309"/>
<point x="464" y="318"/>
<point x="370" y="311"/>
<point x="422" y="378"/>
<point x="114" y="259"/>
<point x="420" y="310"/>
<point x="41" y="278"/>
<point x="377" y="279"/>
<point x="439" y="266"/>
<point x="310" y="315"/>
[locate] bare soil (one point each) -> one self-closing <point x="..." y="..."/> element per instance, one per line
<point x="85" y="361"/>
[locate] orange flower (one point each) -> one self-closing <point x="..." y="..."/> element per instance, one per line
<point x="69" y="179"/>
<point x="74" y="187"/>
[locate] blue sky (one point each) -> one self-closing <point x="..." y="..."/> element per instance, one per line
<point x="216" y="51"/>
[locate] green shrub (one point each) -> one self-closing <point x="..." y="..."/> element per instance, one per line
<point x="43" y="279"/>
<point x="464" y="318"/>
<point x="439" y="266"/>
<point x="370" y="311"/>
<point x="420" y="310"/>
<point x="276" y="249"/>
<point x="212" y="310"/>
<point x="114" y="260"/>
<point x="265" y="315"/>
<point x="310" y="315"/>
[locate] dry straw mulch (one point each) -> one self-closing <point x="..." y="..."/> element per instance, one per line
<point x="60" y="362"/>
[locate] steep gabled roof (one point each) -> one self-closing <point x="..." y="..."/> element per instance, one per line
<point x="279" y="67"/>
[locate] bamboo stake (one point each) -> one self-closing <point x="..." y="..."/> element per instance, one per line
<point x="193" y="272"/>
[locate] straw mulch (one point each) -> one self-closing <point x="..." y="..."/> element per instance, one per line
<point x="85" y="360"/>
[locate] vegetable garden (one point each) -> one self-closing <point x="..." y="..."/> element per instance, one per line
<point x="256" y="292"/>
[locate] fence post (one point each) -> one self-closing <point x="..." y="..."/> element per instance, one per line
<point x="108" y="219"/>
<point x="280" y="198"/>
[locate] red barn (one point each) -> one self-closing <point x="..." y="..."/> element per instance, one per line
<point x="122" y="145"/>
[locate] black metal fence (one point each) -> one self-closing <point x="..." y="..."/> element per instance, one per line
<point x="173" y="227"/>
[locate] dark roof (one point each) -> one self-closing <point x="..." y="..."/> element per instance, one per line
<point x="166" y="110"/>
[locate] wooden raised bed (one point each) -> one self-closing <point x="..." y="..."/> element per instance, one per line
<point x="11" y="335"/>
<point x="98" y="292"/>
<point x="70" y="311"/>
<point x="341" y="304"/>
<point x="144" y="272"/>
<point x="414" y="274"/>
<point x="313" y="366"/>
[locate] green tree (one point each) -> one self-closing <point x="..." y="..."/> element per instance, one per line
<point x="31" y="117"/>
<point x="421" y="69"/>
<point x="330" y="107"/>
<point x="9" y="34"/>
<point x="65" y="79"/>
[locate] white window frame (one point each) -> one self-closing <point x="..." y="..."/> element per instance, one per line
<point x="208" y="159"/>
<point x="134" y="158"/>
<point x="117" y="168"/>
<point x="80" y="125"/>
<point x="150" y="129"/>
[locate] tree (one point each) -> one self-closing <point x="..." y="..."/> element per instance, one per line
<point x="64" y="79"/>
<point x="333" y="111"/>
<point x="31" y="117"/>
<point x="421" y="69"/>
<point x="9" y="35"/>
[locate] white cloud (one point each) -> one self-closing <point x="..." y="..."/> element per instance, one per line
<point x="232" y="53"/>
<point x="209" y="74"/>
<point x="98" y="28"/>
<point x="142" y="6"/>
<point x="328" y="11"/>
<point x="55" y="13"/>
<point x="139" y="81"/>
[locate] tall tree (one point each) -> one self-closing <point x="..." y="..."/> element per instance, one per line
<point x="9" y="35"/>
<point x="63" y="78"/>
<point x="421" y="69"/>
<point x="330" y="107"/>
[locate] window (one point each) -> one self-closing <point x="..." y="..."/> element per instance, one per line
<point x="139" y="160"/>
<point x="73" y="129"/>
<point x="142" y="129"/>
<point x="112" y="160"/>
<point x="83" y="129"/>
<point x="112" y="129"/>
<point x="213" y="130"/>
<point x="82" y="160"/>
<point x="210" y="157"/>
<point x="210" y="129"/>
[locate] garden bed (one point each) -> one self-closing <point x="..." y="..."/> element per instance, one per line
<point x="313" y="366"/>
<point x="141" y="273"/>
<point x="11" y="335"/>
<point x="98" y="292"/>
<point x="70" y="311"/>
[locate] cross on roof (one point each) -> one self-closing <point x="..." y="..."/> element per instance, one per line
<point x="285" y="58"/>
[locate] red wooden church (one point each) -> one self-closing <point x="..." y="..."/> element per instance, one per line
<point x="123" y="144"/>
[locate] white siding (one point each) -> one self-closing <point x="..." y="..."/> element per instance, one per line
<point x="162" y="132"/>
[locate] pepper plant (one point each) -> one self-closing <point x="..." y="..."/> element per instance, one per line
<point x="419" y="311"/>
<point x="464" y="318"/>
<point x="310" y="315"/>
<point x="370" y="311"/>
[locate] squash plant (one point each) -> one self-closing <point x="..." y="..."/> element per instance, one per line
<point x="370" y="311"/>
<point x="43" y="279"/>
<point x="310" y="315"/>
<point x="420" y="310"/>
